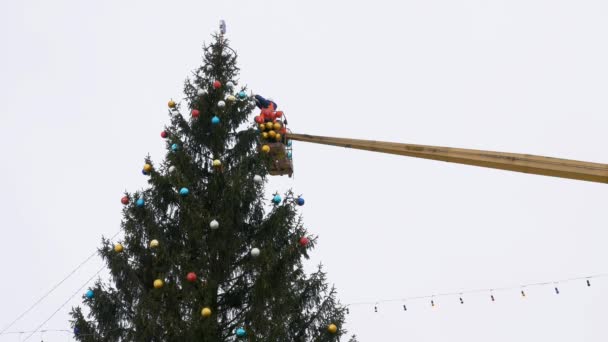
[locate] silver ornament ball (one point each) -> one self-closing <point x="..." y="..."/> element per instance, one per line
<point x="255" y="252"/>
<point x="214" y="224"/>
<point x="258" y="179"/>
<point x="221" y="104"/>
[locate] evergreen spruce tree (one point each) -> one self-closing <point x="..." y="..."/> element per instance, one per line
<point x="187" y="268"/>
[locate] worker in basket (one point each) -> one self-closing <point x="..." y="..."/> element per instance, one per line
<point x="273" y="136"/>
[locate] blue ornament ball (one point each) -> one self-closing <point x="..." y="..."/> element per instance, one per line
<point x="276" y="199"/>
<point x="76" y="331"/>
<point x="240" y="332"/>
<point x="140" y="202"/>
<point x="184" y="191"/>
<point x="143" y="172"/>
<point x="300" y="201"/>
<point x="242" y="95"/>
<point x="89" y="294"/>
<point x="175" y="147"/>
<point x="289" y="143"/>
<point x="289" y="155"/>
<point x="215" y="120"/>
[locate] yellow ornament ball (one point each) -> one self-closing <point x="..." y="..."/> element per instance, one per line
<point x="332" y="328"/>
<point x="171" y="104"/>
<point x="278" y="137"/>
<point x="154" y="243"/>
<point x="269" y="125"/>
<point x="264" y="135"/>
<point x="147" y="167"/>
<point x="262" y="127"/>
<point x="265" y="148"/>
<point x="206" y="312"/>
<point x="276" y="126"/>
<point x="217" y="163"/>
<point x="272" y="134"/>
<point x="118" y="248"/>
<point x="158" y="283"/>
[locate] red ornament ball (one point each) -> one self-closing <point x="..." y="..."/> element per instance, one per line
<point x="124" y="200"/>
<point x="304" y="241"/>
<point x="195" y="113"/>
<point x="191" y="277"/>
<point x="164" y="134"/>
<point x="259" y="119"/>
<point x="217" y="84"/>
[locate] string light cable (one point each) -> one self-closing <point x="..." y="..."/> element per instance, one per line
<point x="490" y="291"/>
<point x="69" y="275"/>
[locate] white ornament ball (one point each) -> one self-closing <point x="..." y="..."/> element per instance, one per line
<point x="171" y="169"/>
<point x="255" y="252"/>
<point x="200" y="91"/>
<point x="229" y="84"/>
<point x="258" y="179"/>
<point x="221" y="104"/>
<point x="214" y="224"/>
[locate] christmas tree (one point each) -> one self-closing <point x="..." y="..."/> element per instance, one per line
<point x="205" y="257"/>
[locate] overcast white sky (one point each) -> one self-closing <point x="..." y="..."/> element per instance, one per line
<point x="84" y="89"/>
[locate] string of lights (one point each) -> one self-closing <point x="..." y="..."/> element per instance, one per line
<point x="69" y="275"/>
<point x="432" y="298"/>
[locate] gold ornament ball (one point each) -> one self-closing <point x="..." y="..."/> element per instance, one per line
<point x="332" y="328"/>
<point x="265" y="148"/>
<point x="264" y="135"/>
<point x="206" y="312"/>
<point x="272" y="134"/>
<point x="278" y="137"/>
<point x="158" y="283"/>
<point x="147" y="167"/>
<point x="154" y="243"/>
<point x="217" y="163"/>
<point x="276" y="126"/>
<point x="118" y="248"/>
<point x="230" y="98"/>
<point x="262" y="127"/>
<point x="269" y="125"/>
<point x="171" y="104"/>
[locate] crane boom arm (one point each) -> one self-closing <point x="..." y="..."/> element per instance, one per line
<point x="526" y="163"/>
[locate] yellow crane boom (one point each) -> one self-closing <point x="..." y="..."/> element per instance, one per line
<point x="526" y="163"/>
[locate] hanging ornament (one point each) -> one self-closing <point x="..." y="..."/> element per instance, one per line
<point x="215" y="120"/>
<point x="175" y="147"/>
<point x="124" y="200"/>
<point x="304" y="241"/>
<point x="279" y="114"/>
<point x="147" y="167"/>
<point x="158" y="283"/>
<point x="289" y="143"/>
<point x="300" y="201"/>
<point x="240" y="332"/>
<point x="140" y="202"/>
<point x="255" y="252"/>
<point x="289" y="155"/>
<point x="154" y="243"/>
<point x="118" y="248"/>
<point x="191" y="277"/>
<point x="258" y="179"/>
<point x="265" y="148"/>
<point x="231" y="98"/>
<point x="76" y="331"/>
<point x="276" y="199"/>
<point x="272" y="134"/>
<point x="206" y="312"/>
<point x="164" y="134"/>
<point x="184" y="192"/>
<point x="217" y="163"/>
<point x="332" y="328"/>
<point x="242" y="95"/>
<point x="171" y="169"/>
<point x="195" y="113"/>
<point x="276" y="126"/>
<point x="89" y="294"/>
<point x="277" y="137"/>
<point x="264" y="135"/>
<point x="262" y="127"/>
<point x="200" y="92"/>
<point x="269" y="125"/>
<point x="259" y="119"/>
<point x="229" y="84"/>
<point x="221" y="104"/>
<point x="143" y="172"/>
<point x="171" y="104"/>
<point x="217" y="84"/>
<point x="214" y="224"/>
